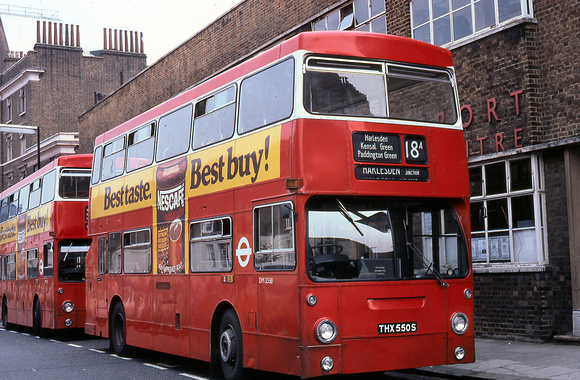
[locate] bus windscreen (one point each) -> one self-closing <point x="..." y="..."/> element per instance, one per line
<point x="372" y="239"/>
<point x="71" y="260"/>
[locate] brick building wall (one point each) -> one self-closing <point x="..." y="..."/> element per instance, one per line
<point x="558" y="285"/>
<point x="559" y="50"/>
<point x="491" y="69"/>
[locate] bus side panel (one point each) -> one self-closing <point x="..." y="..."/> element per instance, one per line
<point x="47" y="302"/>
<point x="206" y="293"/>
<point x="317" y="142"/>
<point x="371" y="355"/>
<point x="245" y="283"/>
<point x="23" y="303"/>
<point x="278" y="324"/>
<point x="71" y="217"/>
<point x="458" y="303"/>
<point x="138" y="290"/>
<point x="389" y="302"/>
<point x="171" y="313"/>
<point x="74" y="292"/>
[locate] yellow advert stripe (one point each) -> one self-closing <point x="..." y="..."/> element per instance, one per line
<point x="8" y="231"/>
<point x="244" y="161"/>
<point x="247" y="160"/>
<point x="123" y="194"/>
<point x="37" y="221"/>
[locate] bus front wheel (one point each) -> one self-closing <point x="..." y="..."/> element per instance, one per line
<point x="230" y="346"/>
<point x="117" y="334"/>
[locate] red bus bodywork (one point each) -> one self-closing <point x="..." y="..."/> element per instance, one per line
<point x="311" y="157"/>
<point x="36" y="295"/>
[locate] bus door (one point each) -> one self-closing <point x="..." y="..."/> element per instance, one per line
<point x="100" y="286"/>
<point x="277" y="282"/>
<point x="46" y="275"/>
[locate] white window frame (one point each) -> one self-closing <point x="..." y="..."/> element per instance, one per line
<point x="22" y="138"/>
<point x="321" y="23"/>
<point x="540" y="221"/>
<point x="9" y="151"/>
<point x="22" y="101"/>
<point x="8" y="110"/>
<point x="526" y="13"/>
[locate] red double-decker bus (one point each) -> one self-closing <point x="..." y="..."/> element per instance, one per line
<point x="43" y="244"/>
<point x="305" y="212"/>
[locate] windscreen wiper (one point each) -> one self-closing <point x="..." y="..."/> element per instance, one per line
<point x="344" y="212"/>
<point x="429" y="265"/>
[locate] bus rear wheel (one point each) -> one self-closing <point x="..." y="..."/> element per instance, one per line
<point x="37" y="319"/>
<point x="4" y="314"/>
<point x="230" y="346"/>
<point x="118" y="336"/>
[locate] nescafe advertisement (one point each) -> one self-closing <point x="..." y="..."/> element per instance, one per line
<point x="170" y="178"/>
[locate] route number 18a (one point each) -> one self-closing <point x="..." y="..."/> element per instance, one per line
<point x="416" y="149"/>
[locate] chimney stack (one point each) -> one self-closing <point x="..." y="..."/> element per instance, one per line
<point x="122" y="40"/>
<point x="49" y="34"/>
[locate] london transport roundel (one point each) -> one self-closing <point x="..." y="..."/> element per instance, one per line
<point x="243" y="252"/>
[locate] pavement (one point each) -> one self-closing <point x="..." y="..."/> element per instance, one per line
<point x="510" y="360"/>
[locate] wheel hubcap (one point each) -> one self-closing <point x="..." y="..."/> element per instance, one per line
<point x="227" y="345"/>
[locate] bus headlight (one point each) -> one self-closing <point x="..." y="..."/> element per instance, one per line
<point x="327" y="364"/>
<point x="459" y="353"/>
<point x="311" y="300"/>
<point x="326" y="331"/>
<point x="68" y="306"/>
<point x="459" y="323"/>
<point x="468" y="293"/>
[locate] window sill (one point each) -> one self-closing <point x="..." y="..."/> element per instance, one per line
<point x="510" y="268"/>
<point x="489" y="32"/>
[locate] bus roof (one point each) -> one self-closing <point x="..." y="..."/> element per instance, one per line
<point x="338" y="43"/>
<point x="73" y="161"/>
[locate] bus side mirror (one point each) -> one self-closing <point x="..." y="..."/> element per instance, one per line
<point x="286" y="211"/>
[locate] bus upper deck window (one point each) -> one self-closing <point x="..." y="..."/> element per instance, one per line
<point x="343" y="87"/>
<point x="96" y="172"/>
<point x="174" y="133"/>
<point x="74" y="184"/>
<point x="4" y="204"/>
<point x="23" y="199"/>
<point x="34" y="194"/>
<point x="214" y="118"/>
<point x="421" y="95"/>
<point x="267" y="97"/>
<point x="113" y="159"/>
<point x="48" y="187"/>
<point x="13" y="208"/>
<point x="140" y="148"/>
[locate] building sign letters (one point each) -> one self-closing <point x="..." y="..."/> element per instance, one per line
<point x="497" y="140"/>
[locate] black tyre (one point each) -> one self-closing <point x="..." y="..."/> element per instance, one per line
<point x="4" y="314"/>
<point x="37" y="319"/>
<point x="118" y="333"/>
<point x="231" y="352"/>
